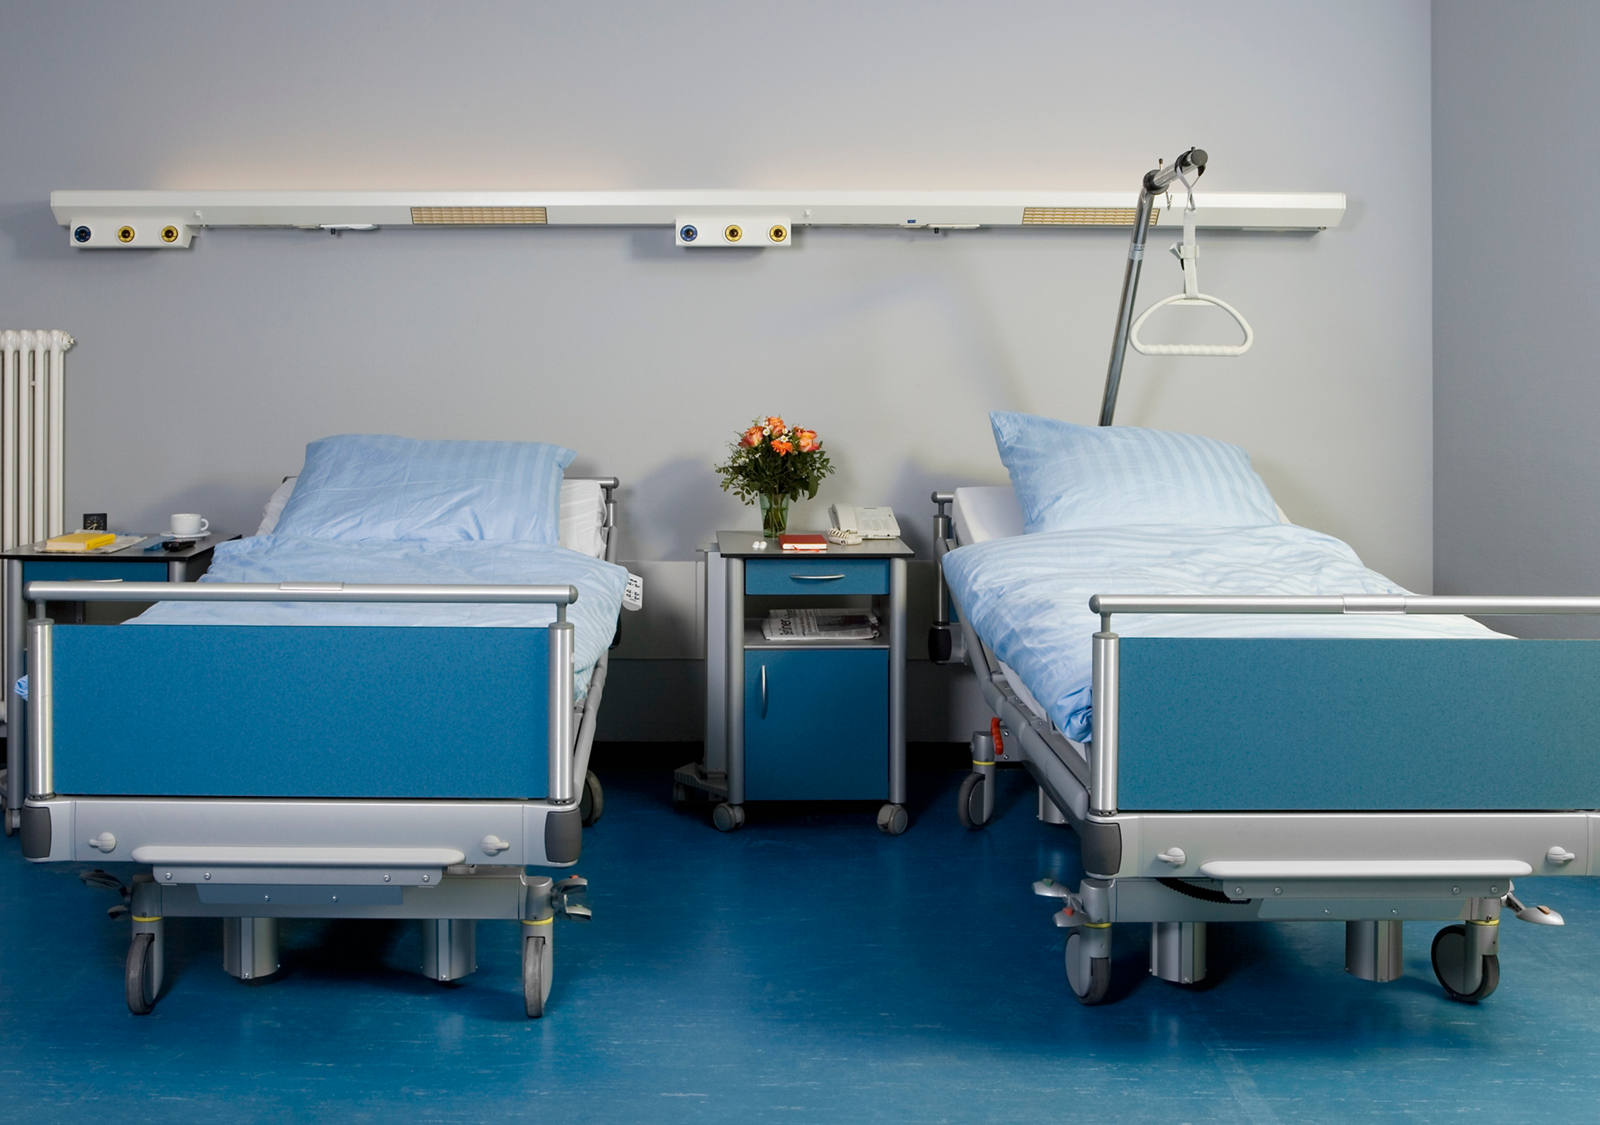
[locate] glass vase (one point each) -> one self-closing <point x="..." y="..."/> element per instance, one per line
<point x="774" y="515"/>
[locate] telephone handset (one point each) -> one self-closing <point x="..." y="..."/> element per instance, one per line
<point x="870" y="523"/>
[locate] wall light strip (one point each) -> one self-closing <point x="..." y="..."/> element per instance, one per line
<point x="477" y="216"/>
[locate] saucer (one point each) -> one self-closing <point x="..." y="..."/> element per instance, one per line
<point x="192" y="535"/>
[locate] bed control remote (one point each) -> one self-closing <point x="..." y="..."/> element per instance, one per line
<point x="633" y="592"/>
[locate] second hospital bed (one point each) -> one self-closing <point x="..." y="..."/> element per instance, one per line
<point x="1241" y="722"/>
<point x="381" y="707"/>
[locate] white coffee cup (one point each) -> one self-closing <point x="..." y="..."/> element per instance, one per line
<point x="189" y="523"/>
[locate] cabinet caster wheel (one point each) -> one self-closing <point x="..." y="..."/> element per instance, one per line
<point x="1450" y="963"/>
<point x="139" y="974"/>
<point x="592" y="801"/>
<point x="969" y="802"/>
<point x="893" y="819"/>
<point x="537" y="963"/>
<point x="1088" y="977"/>
<point x="728" y="818"/>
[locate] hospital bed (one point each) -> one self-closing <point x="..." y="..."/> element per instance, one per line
<point x="382" y="708"/>
<point x="1233" y="744"/>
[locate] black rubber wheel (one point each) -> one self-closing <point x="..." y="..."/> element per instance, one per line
<point x="1449" y="956"/>
<point x="535" y="982"/>
<point x="728" y="818"/>
<point x="893" y="819"/>
<point x="969" y="802"/>
<point x="137" y="974"/>
<point x="1093" y="989"/>
<point x="592" y="801"/>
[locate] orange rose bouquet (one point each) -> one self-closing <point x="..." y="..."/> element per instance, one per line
<point x="774" y="463"/>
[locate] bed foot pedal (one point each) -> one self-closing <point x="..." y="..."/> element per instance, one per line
<point x="1538" y="915"/>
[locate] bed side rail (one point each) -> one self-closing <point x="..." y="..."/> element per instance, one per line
<point x="945" y="645"/>
<point x="1555" y="669"/>
<point x="1107" y="604"/>
<point x="560" y="639"/>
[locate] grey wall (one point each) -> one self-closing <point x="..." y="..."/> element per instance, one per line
<point x="200" y="375"/>
<point x="1517" y="269"/>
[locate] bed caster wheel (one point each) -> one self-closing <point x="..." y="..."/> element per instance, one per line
<point x="1088" y="976"/>
<point x="728" y="818"/>
<point x="139" y="974"/>
<point x="538" y="963"/>
<point x="1450" y="960"/>
<point x="680" y="793"/>
<point x="592" y="802"/>
<point x="969" y="802"/>
<point x="893" y="820"/>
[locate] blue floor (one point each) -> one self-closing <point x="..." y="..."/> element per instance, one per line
<point x="807" y="968"/>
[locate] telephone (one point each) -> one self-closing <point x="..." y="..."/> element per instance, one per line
<point x="871" y="523"/>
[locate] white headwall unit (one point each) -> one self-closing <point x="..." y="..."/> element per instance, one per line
<point x="199" y="376"/>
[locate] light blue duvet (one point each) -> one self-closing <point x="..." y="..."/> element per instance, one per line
<point x="275" y="558"/>
<point x="1028" y="596"/>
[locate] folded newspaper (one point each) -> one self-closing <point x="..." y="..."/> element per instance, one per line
<point x="820" y="625"/>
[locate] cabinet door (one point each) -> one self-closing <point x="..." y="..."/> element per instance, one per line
<point x="816" y="724"/>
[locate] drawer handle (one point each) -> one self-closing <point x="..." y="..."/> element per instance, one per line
<point x="816" y="577"/>
<point x="763" y="691"/>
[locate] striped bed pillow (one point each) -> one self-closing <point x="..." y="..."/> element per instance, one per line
<point x="1069" y="477"/>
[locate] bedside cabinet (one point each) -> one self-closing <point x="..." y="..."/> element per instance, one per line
<point x="802" y="720"/>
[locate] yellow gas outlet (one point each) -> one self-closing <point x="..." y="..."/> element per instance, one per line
<point x="125" y="234"/>
<point x="778" y="233"/>
<point x="169" y="234"/>
<point x="733" y="232"/>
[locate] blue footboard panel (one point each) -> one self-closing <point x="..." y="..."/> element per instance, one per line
<point x="316" y="711"/>
<point x="1358" y="724"/>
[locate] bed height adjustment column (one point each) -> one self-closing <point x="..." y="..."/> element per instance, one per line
<point x="561" y="687"/>
<point x="1103" y="747"/>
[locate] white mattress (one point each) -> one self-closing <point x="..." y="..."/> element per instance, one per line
<point x="981" y="513"/>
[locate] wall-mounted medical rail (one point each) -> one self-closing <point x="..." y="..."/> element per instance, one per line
<point x="746" y="219"/>
<point x="41" y="750"/>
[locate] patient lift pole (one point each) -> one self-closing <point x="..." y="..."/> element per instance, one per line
<point x="1156" y="182"/>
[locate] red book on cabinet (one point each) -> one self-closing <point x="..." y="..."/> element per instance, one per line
<point x="803" y="541"/>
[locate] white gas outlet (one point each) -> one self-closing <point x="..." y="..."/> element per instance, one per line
<point x="130" y="234"/>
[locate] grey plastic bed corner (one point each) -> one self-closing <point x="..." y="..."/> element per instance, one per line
<point x="1365" y="780"/>
<point x="256" y="772"/>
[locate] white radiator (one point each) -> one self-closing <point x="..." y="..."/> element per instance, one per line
<point x="32" y="424"/>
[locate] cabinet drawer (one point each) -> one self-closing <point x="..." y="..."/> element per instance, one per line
<point x="77" y="570"/>
<point x="816" y="576"/>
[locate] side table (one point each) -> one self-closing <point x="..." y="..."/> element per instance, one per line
<point x="802" y="720"/>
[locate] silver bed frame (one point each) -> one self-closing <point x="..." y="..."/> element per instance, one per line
<point x="1179" y="871"/>
<point x="446" y="863"/>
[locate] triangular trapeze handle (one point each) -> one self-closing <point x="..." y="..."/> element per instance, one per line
<point x="1186" y="252"/>
<point x="1192" y="349"/>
